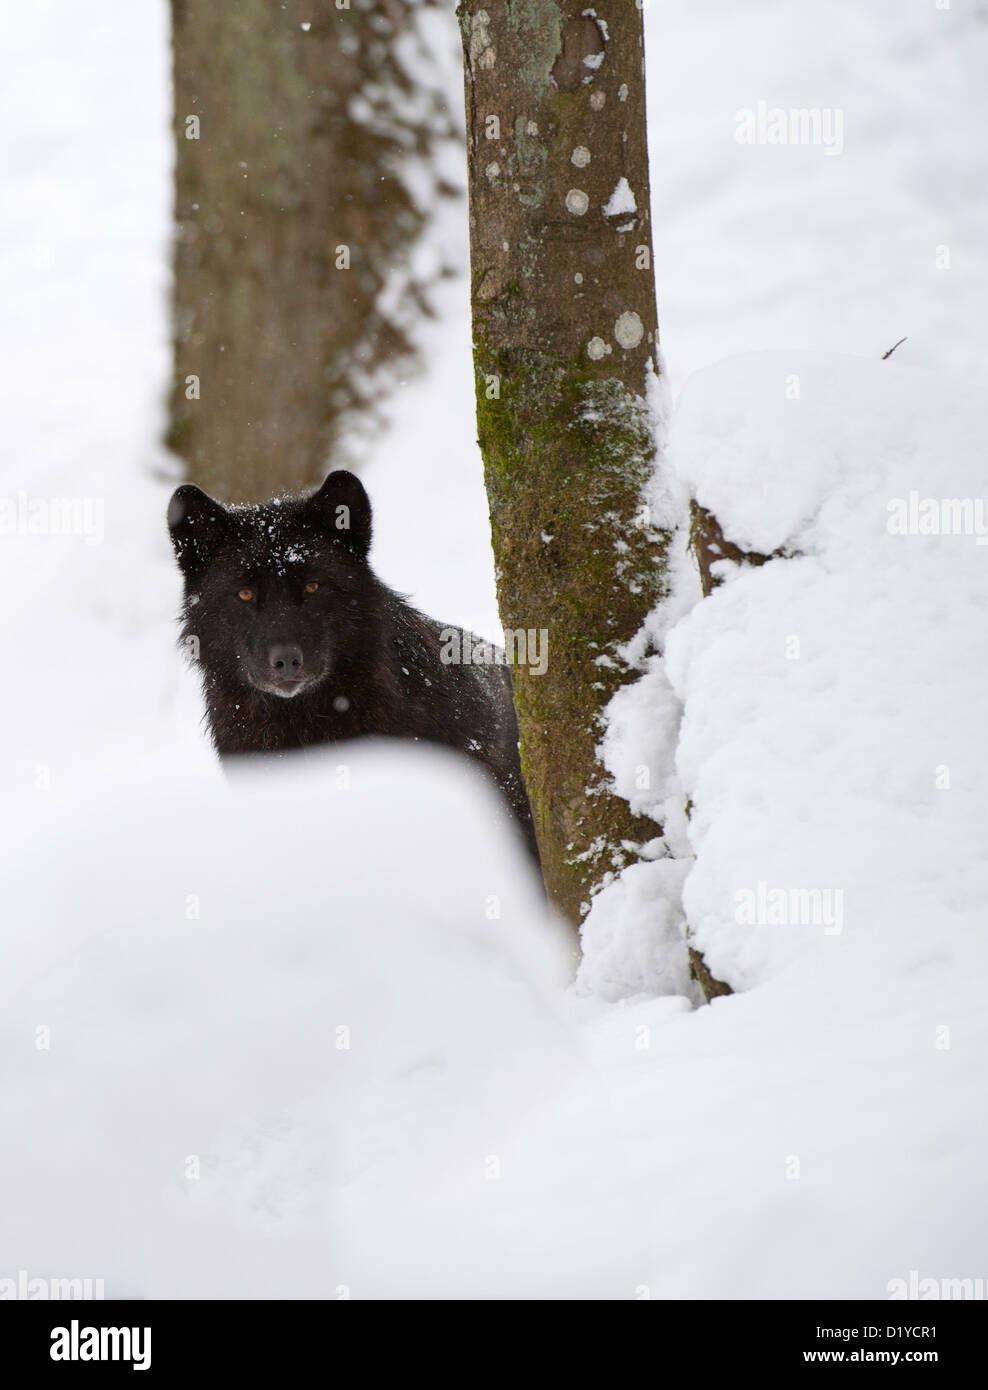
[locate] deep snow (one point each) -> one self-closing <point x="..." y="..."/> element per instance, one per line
<point x="489" y="1131"/>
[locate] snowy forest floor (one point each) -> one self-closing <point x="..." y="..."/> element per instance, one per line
<point x="382" y="1089"/>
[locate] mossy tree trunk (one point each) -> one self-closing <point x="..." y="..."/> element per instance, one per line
<point x="294" y="122"/>
<point x="565" y="340"/>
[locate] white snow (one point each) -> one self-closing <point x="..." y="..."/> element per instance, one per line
<point x="826" y="713"/>
<point x="764" y="247"/>
<point x="331" y="992"/>
<point x="823" y="693"/>
<point x="239" y="1088"/>
<point x="621" y="201"/>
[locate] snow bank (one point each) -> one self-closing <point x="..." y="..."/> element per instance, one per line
<point x="834" y="702"/>
<point x="268" y="1039"/>
<point x="290" y="1035"/>
<point x="770" y="246"/>
<point x="818" y="1134"/>
<point x="832" y="699"/>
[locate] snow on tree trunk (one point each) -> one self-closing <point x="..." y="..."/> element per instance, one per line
<point x="295" y="123"/>
<point x="709" y="545"/>
<point x="565" y="338"/>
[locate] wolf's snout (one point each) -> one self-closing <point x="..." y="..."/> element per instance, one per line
<point x="285" y="661"/>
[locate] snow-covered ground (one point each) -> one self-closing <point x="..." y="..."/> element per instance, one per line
<point x="312" y="1034"/>
<point x="793" y="246"/>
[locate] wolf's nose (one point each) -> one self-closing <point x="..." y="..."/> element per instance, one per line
<point x="286" y="660"/>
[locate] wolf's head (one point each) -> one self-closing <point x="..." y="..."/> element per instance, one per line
<point x="275" y="594"/>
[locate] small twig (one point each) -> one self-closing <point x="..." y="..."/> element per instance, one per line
<point x="892" y="349"/>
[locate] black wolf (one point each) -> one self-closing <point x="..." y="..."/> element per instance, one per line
<point x="299" y="643"/>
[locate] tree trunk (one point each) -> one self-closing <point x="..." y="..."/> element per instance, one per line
<point x="565" y="339"/>
<point x="293" y="122"/>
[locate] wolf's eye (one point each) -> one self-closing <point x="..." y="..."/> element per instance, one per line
<point x="245" y="594"/>
<point x="311" y="587"/>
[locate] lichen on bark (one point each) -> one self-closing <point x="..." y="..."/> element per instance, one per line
<point x="576" y="557"/>
<point x="565" y="340"/>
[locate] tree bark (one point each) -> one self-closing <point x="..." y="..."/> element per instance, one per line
<point x="709" y="545"/>
<point x="565" y="340"/>
<point x="293" y="122"/>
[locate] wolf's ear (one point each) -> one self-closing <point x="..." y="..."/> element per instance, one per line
<point x="197" y="525"/>
<point x="344" y="510"/>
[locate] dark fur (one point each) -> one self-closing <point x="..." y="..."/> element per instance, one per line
<point x="362" y="660"/>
